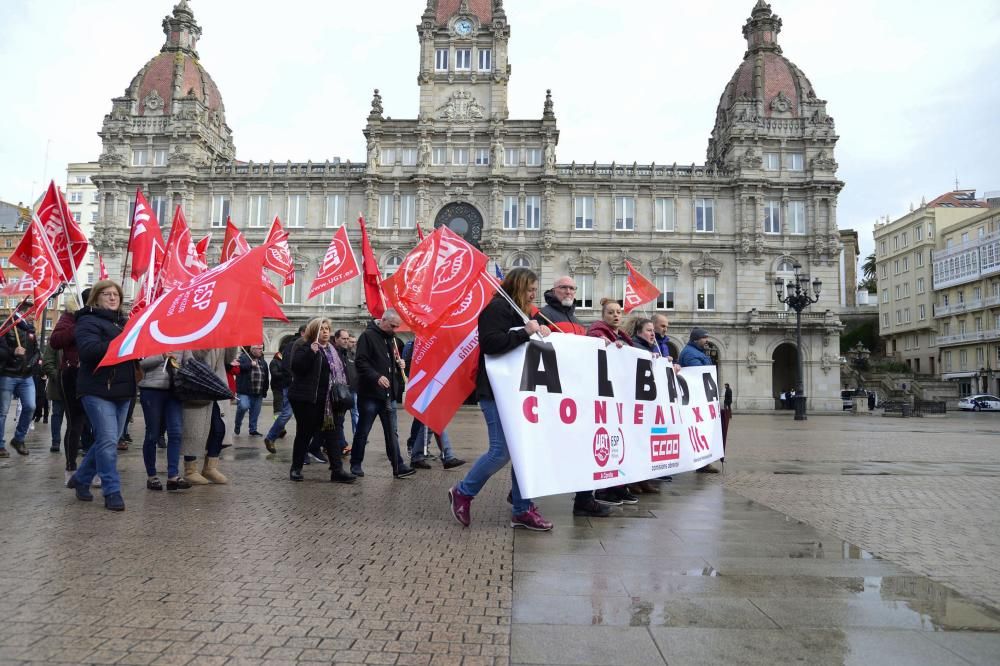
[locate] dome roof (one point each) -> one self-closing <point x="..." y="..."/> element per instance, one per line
<point x="169" y="76"/>
<point x="765" y="76"/>
<point x="482" y="9"/>
<point x="175" y="73"/>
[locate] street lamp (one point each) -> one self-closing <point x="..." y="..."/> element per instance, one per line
<point x="798" y="300"/>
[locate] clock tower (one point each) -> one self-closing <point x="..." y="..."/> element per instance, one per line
<point x="463" y="60"/>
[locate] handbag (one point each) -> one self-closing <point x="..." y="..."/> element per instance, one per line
<point x="340" y="397"/>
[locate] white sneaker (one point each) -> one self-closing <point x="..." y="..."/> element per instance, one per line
<point x="316" y="459"/>
<point x="67" y="474"/>
<point x="96" y="483"/>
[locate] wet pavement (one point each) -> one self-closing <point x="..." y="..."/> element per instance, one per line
<point x="883" y="551"/>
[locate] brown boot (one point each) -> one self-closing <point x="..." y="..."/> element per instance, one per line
<point x="192" y="475"/>
<point x="211" y="471"/>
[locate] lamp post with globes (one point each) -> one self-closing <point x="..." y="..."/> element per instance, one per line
<point x="795" y="294"/>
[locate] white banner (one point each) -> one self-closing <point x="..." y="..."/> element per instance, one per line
<point x="578" y="415"/>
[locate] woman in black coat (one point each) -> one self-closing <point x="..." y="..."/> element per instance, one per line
<point x="316" y="367"/>
<point x="105" y="392"/>
<point x="501" y="330"/>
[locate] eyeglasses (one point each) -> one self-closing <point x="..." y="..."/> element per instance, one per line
<point x="566" y="287"/>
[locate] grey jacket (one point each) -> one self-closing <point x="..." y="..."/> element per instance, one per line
<point x="156" y="376"/>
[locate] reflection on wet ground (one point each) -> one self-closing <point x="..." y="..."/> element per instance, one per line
<point x="874" y="467"/>
<point x="713" y="577"/>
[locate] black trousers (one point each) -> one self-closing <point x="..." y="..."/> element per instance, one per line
<point x="309" y="434"/>
<point x="76" y="419"/>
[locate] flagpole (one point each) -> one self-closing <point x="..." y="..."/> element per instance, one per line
<point x="506" y="296"/>
<point x="128" y="245"/>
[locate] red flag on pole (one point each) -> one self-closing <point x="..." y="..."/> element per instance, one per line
<point x="103" y="274"/>
<point x="36" y="257"/>
<point x="3" y="278"/>
<point x="420" y="234"/>
<point x="146" y="240"/>
<point x="217" y="308"/>
<point x="638" y="290"/>
<point x="371" y="275"/>
<point x="233" y="243"/>
<point x="182" y="262"/>
<point x="433" y="279"/>
<point x="339" y="265"/>
<point x="444" y="368"/>
<point x="63" y="234"/>
<point x="279" y="256"/>
<point x="202" y="249"/>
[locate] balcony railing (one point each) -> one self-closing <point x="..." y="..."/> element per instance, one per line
<point x="967" y="306"/>
<point x="965" y="338"/>
<point x="937" y="255"/>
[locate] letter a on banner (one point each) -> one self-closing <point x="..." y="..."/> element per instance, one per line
<point x="339" y="265"/>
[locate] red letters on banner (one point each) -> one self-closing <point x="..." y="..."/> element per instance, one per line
<point x="638" y="290"/>
<point x="339" y="265"/>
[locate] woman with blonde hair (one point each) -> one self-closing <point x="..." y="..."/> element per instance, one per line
<point x="501" y="330"/>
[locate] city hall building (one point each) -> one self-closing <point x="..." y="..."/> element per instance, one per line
<point x="713" y="237"/>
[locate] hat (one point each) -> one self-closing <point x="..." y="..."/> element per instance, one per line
<point x="697" y="334"/>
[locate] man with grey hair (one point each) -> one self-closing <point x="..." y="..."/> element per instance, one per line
<point x="379" y="366"/>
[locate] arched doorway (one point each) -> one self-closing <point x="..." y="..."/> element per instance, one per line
<point x="464" y="219"/>
<point x="784" y="368"/>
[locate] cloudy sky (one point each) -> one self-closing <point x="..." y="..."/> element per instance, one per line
<point x="911" y="83"/>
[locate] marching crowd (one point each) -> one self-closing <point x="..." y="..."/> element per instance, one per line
<point x="318" y="378"/>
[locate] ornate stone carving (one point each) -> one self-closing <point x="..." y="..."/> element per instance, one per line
<point x="823" y="162"/>
<point x="617" y="265"/>
<point x="666" y="264"/>
<point x="751" y="361"/>
<point x="780" y="103"/>
<point x="706" y="264"/>
<point x="548" y="113"/>
<point x="111" y="157"/>
<point x="376" y="113"/>
<point x="153" y="101"/>
<point x="461" y="106"/>
<point x="751" y="160"/>
<point x="827" y="362"/>
<point x="753" y="327"/>
<point x="583" y="263"/>
<point x="548" y="240"/>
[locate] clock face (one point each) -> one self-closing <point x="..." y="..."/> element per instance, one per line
<point x="463" y="27"/>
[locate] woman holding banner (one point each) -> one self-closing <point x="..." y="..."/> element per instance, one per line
<point x="608" y="328"/>
<point x="502" y="328"/>
<point x="644" y="336"/>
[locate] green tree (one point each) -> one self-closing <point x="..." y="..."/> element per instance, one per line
<point x="870" y="272"/>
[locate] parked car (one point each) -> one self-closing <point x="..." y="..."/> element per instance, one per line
<point x="980" y="403"/>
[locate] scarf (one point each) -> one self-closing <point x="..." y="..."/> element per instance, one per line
<point x="337" y="376"/>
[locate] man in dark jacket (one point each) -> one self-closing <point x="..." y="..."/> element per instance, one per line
<point x="559" y="313"/>
<point x="281" y="379"/>
<point x="251" y="387"/>
<point x="380" y="387"/>
<point x="694" y="355"/>
<point x="19" y="360"/>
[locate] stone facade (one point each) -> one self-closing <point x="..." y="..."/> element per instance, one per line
<point x="713" y="236"/>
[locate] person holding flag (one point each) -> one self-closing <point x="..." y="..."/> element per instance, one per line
<point x="503" y="327"/>
<point x="105" y="392"/>
<point x="19" y="359"/>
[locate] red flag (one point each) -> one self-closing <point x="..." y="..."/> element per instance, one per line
<point x="279" y="256"/>
<point x="146" y="240"/>
<point x="638" y="290"/>
<point x="182" y="262"/>
<point x="202" y="249"/>
<point x="36" y="257"/>
<point x="339" y="265"/>
<point x="20" y="287"/>
<point x="3" y="278"/>
<point x="372" y="276"/>
<point x="64" y="235"/>
<point x="433" y="279"/>
<point x="213" y="309"/>
<point x="233" y="244"/>
<point x="444" y="368"/>
<point x="420" y="234"/>
<point x="103" y="274"/>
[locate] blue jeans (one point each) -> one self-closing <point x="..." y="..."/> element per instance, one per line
<point x="24" y="389"/>
<point x="281" y="419"/>
<point x="415" y="444"/>
<point x="385" y="410"/>
<point x="251" y="403"/>
<point x="493" y="461"/>
<point x="354" y="414"/>
<point x="107" y="418"/>
<point x="160" y="409"/>
<point x="55" y="421"/>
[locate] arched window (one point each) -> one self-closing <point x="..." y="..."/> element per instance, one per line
<point x="392" y="264"/>
<point x="786" y="271"/>
<point x="520" y="261"/>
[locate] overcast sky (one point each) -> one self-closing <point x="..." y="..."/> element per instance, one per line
<point x="912" y="84"/>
